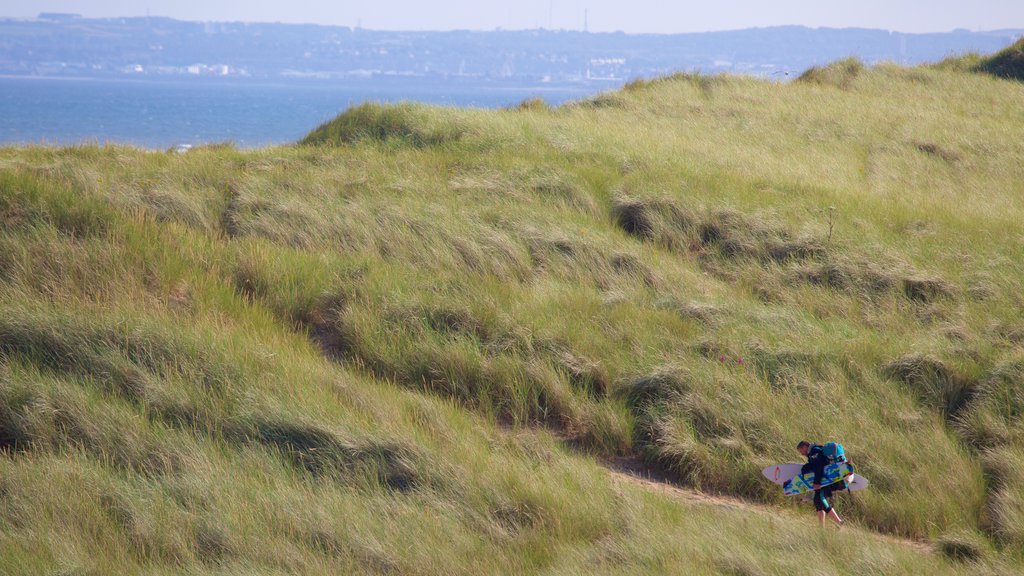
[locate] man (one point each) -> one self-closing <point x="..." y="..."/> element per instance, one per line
<point x="816" y="462"/>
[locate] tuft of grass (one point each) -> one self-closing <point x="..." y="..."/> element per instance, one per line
<point x="665" y="385"/>
<point x="963" y="547"/>
<point x="938" y="385"/>
<point x="321" y="454"/>
<point x="996" y="415"/>
<point x="1005" y="506"/>
<point x="655" y="220"/>
<point x="534" y="104"/>
<point x="405" y="124"/>
<point x="1008" y="63"/>
<point x="926" y="290"/>
<point x="841" y="74"/>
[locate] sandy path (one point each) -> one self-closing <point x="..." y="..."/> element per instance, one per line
<point x="630" y="471"/>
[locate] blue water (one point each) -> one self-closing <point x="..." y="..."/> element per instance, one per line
<point x="164" y="113"/>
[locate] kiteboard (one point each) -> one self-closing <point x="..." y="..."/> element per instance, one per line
<point x="793" y="483"/>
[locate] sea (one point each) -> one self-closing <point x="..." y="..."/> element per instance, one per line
<point x="161" y="114"/>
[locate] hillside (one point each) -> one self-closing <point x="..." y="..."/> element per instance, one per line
<point x="1008" y="63"/>
<point x="422" y="340"/>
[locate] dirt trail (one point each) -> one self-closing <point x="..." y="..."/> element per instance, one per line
<point x="630" y="471"/>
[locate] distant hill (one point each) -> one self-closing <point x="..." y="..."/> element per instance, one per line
<point x="67" y="45"/>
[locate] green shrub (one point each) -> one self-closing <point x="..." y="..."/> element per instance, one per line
<point x="402" y="123"/>
<point x="841" y="74"/>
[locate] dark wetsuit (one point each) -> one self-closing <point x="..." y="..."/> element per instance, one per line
<point x="816" y="462"/>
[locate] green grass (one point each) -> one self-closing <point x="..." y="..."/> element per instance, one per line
<point x="1007" y="63"/>
<point x="408" y="343"/>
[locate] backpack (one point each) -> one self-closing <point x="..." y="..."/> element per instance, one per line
<point x="834" y="452"/>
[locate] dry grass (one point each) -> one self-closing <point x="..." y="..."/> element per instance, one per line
<point x="395" y="347"/>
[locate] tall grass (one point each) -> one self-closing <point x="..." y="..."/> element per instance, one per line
<point x="405" y="344"/>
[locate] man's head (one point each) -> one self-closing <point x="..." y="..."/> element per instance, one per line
<point x="803" y="447"/>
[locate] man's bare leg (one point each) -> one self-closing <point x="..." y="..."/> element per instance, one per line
<point x="834" y="516"/>
<point x="821" y="518"/>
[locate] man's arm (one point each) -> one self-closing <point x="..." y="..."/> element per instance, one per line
<point x="817" y="463"/>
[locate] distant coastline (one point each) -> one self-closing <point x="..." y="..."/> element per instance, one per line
<point x="160" y="48"/>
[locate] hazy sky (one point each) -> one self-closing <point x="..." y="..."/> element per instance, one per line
<point x="602" y="15"/>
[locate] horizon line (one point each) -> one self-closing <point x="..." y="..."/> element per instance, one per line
<point x="73" y="16"/>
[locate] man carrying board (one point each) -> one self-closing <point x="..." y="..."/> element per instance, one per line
<point x="818" y="457"/>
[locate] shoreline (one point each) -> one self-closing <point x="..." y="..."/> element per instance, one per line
<point x="381" y="81"/>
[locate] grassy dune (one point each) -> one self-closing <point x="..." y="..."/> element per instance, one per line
<point x="1007" y="63"/>
<point x="408" y="343"/>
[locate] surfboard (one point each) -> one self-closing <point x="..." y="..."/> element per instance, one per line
<point x="801" y="484"/>
<point x="858" y="482"/>
<point x="782" y="474"/>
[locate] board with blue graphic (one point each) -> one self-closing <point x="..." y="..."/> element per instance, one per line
<point x="834" y="473"/>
